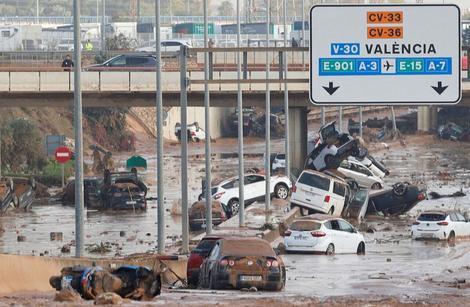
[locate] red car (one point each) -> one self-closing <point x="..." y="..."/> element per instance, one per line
<point x="197" y="257"/>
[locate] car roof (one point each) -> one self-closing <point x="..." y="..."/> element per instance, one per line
<point x="318" y="217"/>
<point x="329" y="174"/>
<point x="246" y="246"/>
<point x="436" y="212"/>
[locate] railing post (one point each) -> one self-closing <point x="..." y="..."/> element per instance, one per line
<point x="245" y="65"/>
<point x="211" y="65"/>
<point x="281" y="65"/>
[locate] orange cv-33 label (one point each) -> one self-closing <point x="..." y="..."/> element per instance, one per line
<point x="385" y="17"/>
<point x="384" y="32"/>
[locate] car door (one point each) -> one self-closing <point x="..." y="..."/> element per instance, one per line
<point x="255" y="187"/>
<point x="338" y="197"/>
<point x="338" y="237"/>
<point x="366" y="174"/>
<point x="349" y="234"/>
<point x="463" y="225"/>
<point x="119" y="61"/>
<point x="210" y="262"/>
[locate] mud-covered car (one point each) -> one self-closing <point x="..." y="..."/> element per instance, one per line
<point x="197" y="257"/>
<point x="236" y="263"/>
<point x="24" y="192"/>
<point x="134" y="282"/>
<point x="197" y="215"/>
<point x="121" y="191"/>
<point x="6" y="194"/>
<point x="91" y="187"/>
<point x="401" y="198"/>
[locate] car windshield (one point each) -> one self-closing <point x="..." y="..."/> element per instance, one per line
<point x="432" y="217"/>
<point x="315" y="181"/>
<point x="305" y="226"/>
<point x="281" y="157"/>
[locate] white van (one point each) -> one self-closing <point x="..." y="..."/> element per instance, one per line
<point x="318" y="192"/>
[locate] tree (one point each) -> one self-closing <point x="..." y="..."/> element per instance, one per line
<point x="226" y="8"/>
<point x="22" y="147"/>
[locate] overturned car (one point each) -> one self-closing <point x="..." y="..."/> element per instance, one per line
<point x="116" y="191"/>
<point x="133" y="282"/>
<point x="16" y="192"/>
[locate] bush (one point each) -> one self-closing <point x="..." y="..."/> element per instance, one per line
<point x="22" y="147"/>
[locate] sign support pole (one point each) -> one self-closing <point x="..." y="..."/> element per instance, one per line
<point x="63" y="174"/>
<point x="360" y="121"/>
<point x="340" y="124"/>
<point x="241" y="160"/>
<point x="79" y="198"/>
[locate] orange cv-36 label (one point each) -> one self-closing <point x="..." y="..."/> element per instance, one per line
<point x="384" y="32"/>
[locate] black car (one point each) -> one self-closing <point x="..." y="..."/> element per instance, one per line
<point x="126" y="62"/>
<point x="123" y="190"/>
<point x="401" y="198"/>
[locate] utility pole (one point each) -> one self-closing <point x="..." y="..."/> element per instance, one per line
<point x="184" y="151"/>
<point x="241" y="161"/>
<point x="207" y="116"/>
<point x="37" y="11"/>
<point x="268" y="117"/>
<point x="286" y="94"/>
<point x="77" y="94"/>
<point x="159" y="106"/>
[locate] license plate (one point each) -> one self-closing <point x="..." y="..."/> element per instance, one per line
<point x="131" y="202"/>
<point x="427" y="235"/>
<point x="251" y="278"/>
<point x="300" y="237"/>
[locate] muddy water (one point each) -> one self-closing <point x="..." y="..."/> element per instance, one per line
<point x="140" y="227"/>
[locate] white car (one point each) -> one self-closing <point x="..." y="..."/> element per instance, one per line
<point x="377" y="168"/>
<point x="277" y="161"/>
<point x="440" y="225"/>
<point x="321" y="233"/>
<point x="363" y="176"/>
<point x="195" y="133"/>
<point x="226" y="191"/>
<point x="168" y="46"/>
<point x="319" y="193"/>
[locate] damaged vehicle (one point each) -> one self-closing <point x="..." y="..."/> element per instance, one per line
<point x="320" y="233"/>
<point x="453" y="132"/>
<point x="197" y="257"/>
<point x="332" y="148"/>
<point x="440" y="225"/>
<point x="236" y="263"/>
<point x="226" y="191"/>
<point x="133" y="282"/>
<point x="361" y="174"/>
<point x="24" y="192"/>
<point x="195" y="133"/>
<point x="6" y="194"/>
<point x="17" y="193"/>
<point x="197" y="215"/>
<point x="249" y="117"/>
<point x="121" y="191"/>
<point x="401" y="198"/>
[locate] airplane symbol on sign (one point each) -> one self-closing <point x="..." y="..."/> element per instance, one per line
<point x="387" y="66"/>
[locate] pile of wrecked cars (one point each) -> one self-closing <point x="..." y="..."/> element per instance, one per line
<point x="16" y="193"/>
<point x="322" y="188"/>
<point x="115" y="191"/>
<point x="132" y="282"/>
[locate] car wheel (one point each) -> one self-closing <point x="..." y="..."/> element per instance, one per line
<point x="376" y="186"/>
<point x="234" y="206"/>
<point x="281" y="191"/>
<point x="400" y="189"/>
<point x="361" y="249"/>
<point x="199" y="198"/>
<point x="451" y="238"/>
<point x="332" y="210"/>
<point x="330" y="250"/>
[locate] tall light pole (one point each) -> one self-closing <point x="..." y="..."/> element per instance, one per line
<point x="241" y="168"/>
<point x="159" y="106"/>
<point x="103" y="27"/>
<point x="77" y="94"/>
<point x="286" y="94"/>
<point x="268" y="115"/>
<point x="207" y="121"/>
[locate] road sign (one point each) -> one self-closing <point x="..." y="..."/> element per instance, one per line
<point x="63" y="154"/>
<point x="52" y="142"/>
<point x="385" y="54"/>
